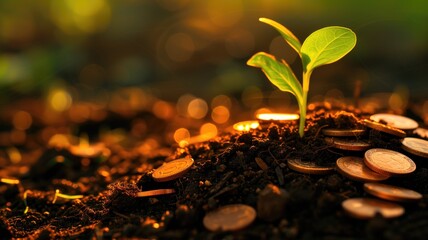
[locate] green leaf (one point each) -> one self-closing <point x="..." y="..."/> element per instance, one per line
<point x="326" y="45"/>
<point x="285" y="33"/>
<point x="279" y="73"/>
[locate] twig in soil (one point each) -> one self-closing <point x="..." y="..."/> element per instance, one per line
<point x="319" y="129"/>
<point x="220" y="184"/>
<point x="121" y="215"/>
<point x="65" y="196"/>
<point x="279" y="175"/>
<point x="274" y="158"/>
<point x="226" y="189"/>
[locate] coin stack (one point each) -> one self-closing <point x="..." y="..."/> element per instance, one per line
<point x="378" y="164"/>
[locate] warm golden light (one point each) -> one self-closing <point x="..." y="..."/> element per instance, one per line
<point x="60" y="100"/>
<point x="163" y="110"/>
<point x="22" y="120"/>
<point x="220" y="114"/>
<point x="9" y="181"/>
<point x="197" y="108"/>
<point x="59" y="141"/>
<point x="246" y="126"/>
<point x="84" y="149"/>
<point x="14" y="155"/>
<point x="221" y="100"/>
<point x="209" y="130"/>
<point x="182" y="136"/>
<point x="277" y="116"/>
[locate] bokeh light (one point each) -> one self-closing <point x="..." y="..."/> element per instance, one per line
<point x="220" y="114"/>
<point x="197" y="108"/>
<point x="59" y="99"/>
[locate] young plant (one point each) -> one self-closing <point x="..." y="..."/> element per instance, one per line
<point x="324" y="46"/>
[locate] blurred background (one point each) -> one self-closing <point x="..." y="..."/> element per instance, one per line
<point x="192" y="54"/>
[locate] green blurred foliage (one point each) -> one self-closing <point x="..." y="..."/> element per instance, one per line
<point x="200" y="47"/>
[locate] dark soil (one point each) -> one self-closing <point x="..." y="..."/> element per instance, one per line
<point x="225" y="172"/>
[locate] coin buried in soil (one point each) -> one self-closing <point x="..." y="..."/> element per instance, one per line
<point x="393" y="193"/>
<point x="308" y="167"/>
<point x="355" y="169"/>
<point x="366" y="208"/>
<point x="229" y="218"/>
<point x="156" y="192"/>
<point x="350" y="145"/>
<point x="332" y="132"/>
<point x="384" y="128"/>
<point x="388" y="162"/>
<point x="397" y="121"/>
<point x="416" y="146"/>
<point x="172" y="170"/>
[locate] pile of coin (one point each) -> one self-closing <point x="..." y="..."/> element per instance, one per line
<point x="378" y="164"/>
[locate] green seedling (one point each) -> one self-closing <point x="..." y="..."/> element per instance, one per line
<point x="324" y="46"/>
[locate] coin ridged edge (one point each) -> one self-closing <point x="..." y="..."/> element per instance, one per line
<point x="358" y="215"/>
<point x="352" y="176"/>
<point x="173" y="176"/>
<point x="317" y="170"/>
<point x="413" y="151"/>
<point x="333" y="132"/>
<point x="391" y="197"/>
<point x="377" y="169"/>
<point x="336" y="143"/>
<point x="389" y="116"/>
<point x="384" y="128"/>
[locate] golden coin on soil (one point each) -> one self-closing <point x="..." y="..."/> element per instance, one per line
<point x="172" y="170"/>
<point x="388" y="162"/>
<point x="355" y="169"/>
<point x="308" y="167"/>
<point x="366" y="208"/>
<point x="333" y="132"/>
<point x="229" y="218"/>
<point x="397" y="121"/>
<point x="246" y="126"/>
<point x="277" y="116"/>
<point x="157" y="192"/>
<point x="384" y="128"/>
<point x="346" y="144"/>
<point x="393" y="193"/>
<point x="416" y="146"/>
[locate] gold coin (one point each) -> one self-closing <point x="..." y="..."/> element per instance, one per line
<point x="366" y="208"/>
<point x="156" y="192"/>
<point x="384" y="128"/>
<point x="172" y="170"/>
<point x="345" y="144"/>
<point x="229" y="218"/>
<point x="393" y="193"/>
<point x="416" y="146"/>
<point x="355" y="169"/>
<point x="332" y="132"/>
<point x="397" y="121"/>
<point x="308" y="167"/>
<point x="277" y="116"/>
<point x="246" y="126"/>
<point x="388" y="162"/>
<point x="422" y="132"/>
